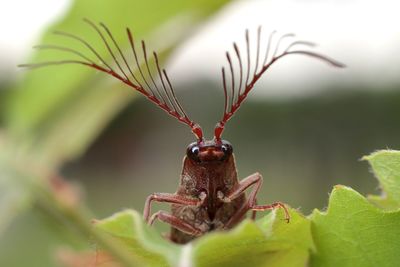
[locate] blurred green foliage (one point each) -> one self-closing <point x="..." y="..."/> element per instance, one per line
<point x="55" y="113"/>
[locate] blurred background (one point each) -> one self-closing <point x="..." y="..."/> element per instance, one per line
<point x="305" y="127"/>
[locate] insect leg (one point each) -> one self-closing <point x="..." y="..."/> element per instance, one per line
<point x="168" y="198"/>
<point x="254" y="213"/>
<point x="256" y="180"/>
<point x="271" y="207"/>
<point x="237" y="216"/>
<point x="175" y="222"/>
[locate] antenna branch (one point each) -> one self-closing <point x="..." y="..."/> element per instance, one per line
<point x="235" y="95"/>
<point x="141" y="80"/>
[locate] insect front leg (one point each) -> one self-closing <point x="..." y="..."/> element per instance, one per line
<point x="176" y="223"/>
<point x="251" y="203"/>
<point x="169" y="198"/>
<point x="254" y="213"/>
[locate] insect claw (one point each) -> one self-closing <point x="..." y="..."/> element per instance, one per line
<point x="287" y="215"/>
<point x="198" y="233"/>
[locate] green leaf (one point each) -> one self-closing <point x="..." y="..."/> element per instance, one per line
<point x="269" y="242"/>
<point x="353" y="232"/>
<point x="57" y="112"/>
<point x="14" y="196"/>
<point x="128" y="229"/>
<point x="386" y="167"/>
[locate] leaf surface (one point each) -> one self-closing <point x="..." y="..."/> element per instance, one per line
<point x="386" y="167"/>
<point x="353" y="232"/>
<point x="268" y="242"/>
<point x="128" y="229"/>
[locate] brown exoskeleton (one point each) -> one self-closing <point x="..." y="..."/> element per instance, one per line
<point x="210" y="195"/>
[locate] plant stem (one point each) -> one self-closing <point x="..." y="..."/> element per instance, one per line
<point x="49" y="200"/>
<point x="79" y="219"/>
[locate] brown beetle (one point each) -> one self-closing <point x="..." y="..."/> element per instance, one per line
<point x="210" y="195"/>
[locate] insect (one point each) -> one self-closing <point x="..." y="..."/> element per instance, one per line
<point x="209" y="196"/>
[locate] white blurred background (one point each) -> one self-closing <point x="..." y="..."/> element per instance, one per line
<point x="363" y="34"/>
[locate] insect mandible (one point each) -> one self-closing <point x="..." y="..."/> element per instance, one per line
<point x="209" y="196"/>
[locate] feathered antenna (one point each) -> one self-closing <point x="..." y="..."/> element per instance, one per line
<point x="235" y="95"/>
<point x="162" y="95"/>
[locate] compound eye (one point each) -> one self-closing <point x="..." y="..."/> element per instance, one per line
<point x="227" y="149"/>
<point x="224" y="148"/>
<point x="193" y="151"/>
